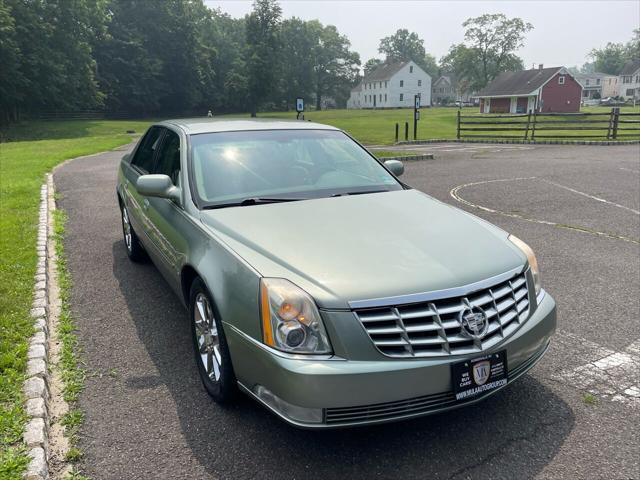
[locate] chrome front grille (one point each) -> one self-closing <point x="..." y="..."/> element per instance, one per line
<point x="431" y="329"/>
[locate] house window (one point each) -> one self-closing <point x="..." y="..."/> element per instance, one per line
<point x="402" y="83"/>
<point x="597" y="81"/>
<point x="385" y="84"/>
<point x="637" y="78"/>
<point x="402" y="97"/>
<point x="629" y="92"/>
<point x="411" y="69"/>
<point x="385" y="97"/>
<point x="561" y="80"/>
<point x="626" y="79"/>
<point x="380" y="85"/>
<point x="587" y="82"/>
<point x="419" y="83"/>
<point x="380" y="97"/>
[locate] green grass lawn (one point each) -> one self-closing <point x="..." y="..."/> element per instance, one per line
<point x="25" y="157"/>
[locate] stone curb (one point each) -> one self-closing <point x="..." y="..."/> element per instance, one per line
<point x="408" y="158"/>
<point x="36" y="386"/>
<point x="520" y="141"/>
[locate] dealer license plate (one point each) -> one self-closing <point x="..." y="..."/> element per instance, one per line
<point x="474" y="377"/>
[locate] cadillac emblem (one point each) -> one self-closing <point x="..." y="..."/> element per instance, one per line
<point x="474" y="322"/>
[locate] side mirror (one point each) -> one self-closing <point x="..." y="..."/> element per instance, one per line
<point x="158" y="186"/>
<point x="396" y="167"/>
<point x="126" y="157"/>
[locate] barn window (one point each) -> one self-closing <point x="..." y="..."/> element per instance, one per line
<point x="402" y="83"/>
<point x="561" y="80"/>
<point x="419" y="83"/>
<point x="402" y="97"/>
<point x="411" y="69"/>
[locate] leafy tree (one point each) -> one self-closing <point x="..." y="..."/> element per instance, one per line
<point x="405" y="45"/>
<point x="263" y="47"/>
<point x="335" y="66"/>
<point x="488" y="50"/>
<point x="613" y="56"/>
<point x="300" y="39"/>
<point x="12" y="82"/>
<point x="371" y="65"/>
<point x="609" y="59"/>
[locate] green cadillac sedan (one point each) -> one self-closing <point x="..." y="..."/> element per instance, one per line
<point x="320" y="284"/>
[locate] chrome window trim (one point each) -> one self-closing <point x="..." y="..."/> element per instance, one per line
<point x="435" y="294"/>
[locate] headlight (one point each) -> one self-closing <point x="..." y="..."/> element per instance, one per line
<point x="533" y="263"/>
<point x="290" y="319"/>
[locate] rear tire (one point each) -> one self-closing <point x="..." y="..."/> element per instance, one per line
<point x="135" y="252"/>
<point x="210" y="345"/>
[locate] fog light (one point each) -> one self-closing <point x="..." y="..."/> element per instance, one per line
<point x="292" y="412"/>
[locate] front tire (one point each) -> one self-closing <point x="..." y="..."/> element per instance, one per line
<point x="135" y="252"/>
<point x="210" y="346"/>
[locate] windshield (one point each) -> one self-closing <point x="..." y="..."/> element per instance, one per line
<point x="230" y="167"/>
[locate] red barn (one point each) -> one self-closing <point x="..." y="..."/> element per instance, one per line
<point x="542" y="90"/>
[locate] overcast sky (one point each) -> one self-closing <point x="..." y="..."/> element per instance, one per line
<point x="564" y="31"/>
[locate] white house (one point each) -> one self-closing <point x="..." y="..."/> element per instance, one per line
<point x="392" y="85"/>
<point x="629" y="83"/>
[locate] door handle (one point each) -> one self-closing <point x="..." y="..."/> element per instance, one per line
<point x="145" y="204"/>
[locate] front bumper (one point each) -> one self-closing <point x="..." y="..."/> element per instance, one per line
<point x="358" y="392"/>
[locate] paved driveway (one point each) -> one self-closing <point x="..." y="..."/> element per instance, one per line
<point x="148" y="417"/>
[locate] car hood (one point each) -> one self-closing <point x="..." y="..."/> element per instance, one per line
<point x="364" y="247"/>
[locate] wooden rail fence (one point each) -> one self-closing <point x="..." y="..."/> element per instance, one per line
<point x="613" y="125"/>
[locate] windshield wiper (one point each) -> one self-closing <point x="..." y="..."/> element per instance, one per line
<point x="251" y="201"/>
<point x="358" y="193"/>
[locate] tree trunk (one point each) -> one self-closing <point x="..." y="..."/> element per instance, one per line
<point x="253" y="110"/>
<point x="318" y="101"/>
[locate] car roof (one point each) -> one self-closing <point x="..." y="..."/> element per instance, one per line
<point x="194" y="126"/>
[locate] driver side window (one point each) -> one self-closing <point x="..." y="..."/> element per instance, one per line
<point x="169" y="157"/>
<point x="143" y="159"/>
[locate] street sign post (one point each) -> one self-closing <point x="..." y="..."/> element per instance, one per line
<point x="299" y="106"/>
<point x="416" y="115"/>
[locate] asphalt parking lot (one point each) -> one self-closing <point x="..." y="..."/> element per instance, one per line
<point x="575" y="415"/>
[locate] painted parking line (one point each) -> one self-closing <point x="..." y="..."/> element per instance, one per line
<point x="629" y="170"/>
<point x="606" y="374"/>
<point x="455" y="193"/>
<point x="593" y="197"/>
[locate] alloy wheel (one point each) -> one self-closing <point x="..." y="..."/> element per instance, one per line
<point x="207" y="337"/>
<point x="126" y="226"/>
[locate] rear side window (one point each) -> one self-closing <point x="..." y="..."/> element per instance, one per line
<point x="169" y="157"/>
<point x="144" y="156"/>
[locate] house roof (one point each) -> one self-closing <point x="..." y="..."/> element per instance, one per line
<point x="449" y="77"/>
<point x="581" y="76"/>
<point x="357" y="88"/>
<point x="518" y="83"/>
<point x="384" y="71"/>
<point x="630" y="67"/>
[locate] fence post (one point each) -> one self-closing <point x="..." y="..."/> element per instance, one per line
<point x="533" y="129"/>
<point x="458" y="128"/>
<point x="406" y="131"/>
<point x="526" y="133"/>
<point x="397" y="129"/>
<point x="616" y="118"/>
<point x="610" y="124"/>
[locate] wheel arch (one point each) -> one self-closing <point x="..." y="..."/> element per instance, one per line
<point x="187" y="275"/>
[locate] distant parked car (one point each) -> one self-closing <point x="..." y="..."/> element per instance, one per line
<point x="320" y="284"/>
